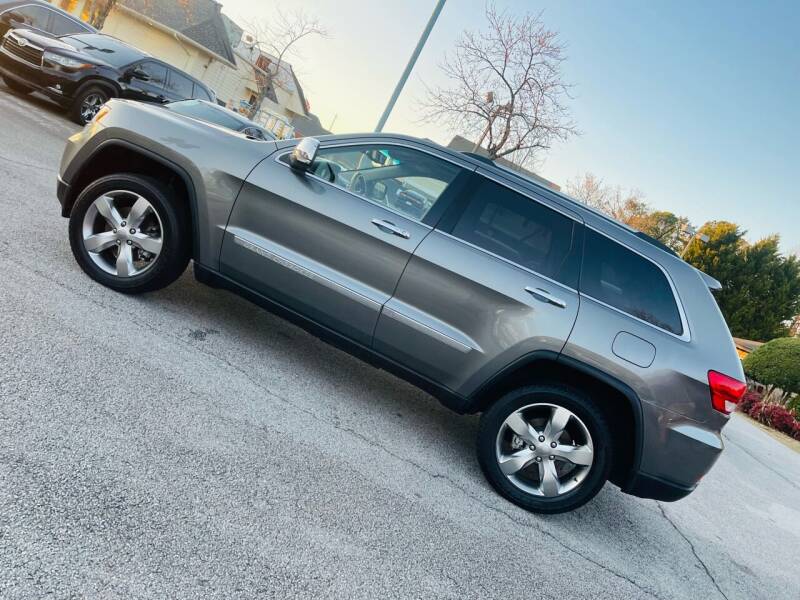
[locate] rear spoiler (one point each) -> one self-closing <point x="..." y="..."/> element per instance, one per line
<point x="712" y="283"/>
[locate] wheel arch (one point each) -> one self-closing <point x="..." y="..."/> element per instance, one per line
<point x="109" y="157"/>
<point x="114" y="90"/>
<point x="619" y="402"/>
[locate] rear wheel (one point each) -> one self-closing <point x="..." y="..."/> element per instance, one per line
<point x="18" y="87"/>
<point x="546" y="448"/>
<point x="128" y="233"/>
<point x="87" y="104"/>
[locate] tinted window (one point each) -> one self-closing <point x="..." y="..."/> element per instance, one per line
<point x="613" y="274"/>
<point x="519" y="229"/>
<point x="406" y="180"/>
<point x="34" y="16"/>
<point x="65" y="26"/>
<point x="204" y="112"/>
<point x="157" y="73"/>
<point x="200" y="92"/>
<point x="181" y="86"/>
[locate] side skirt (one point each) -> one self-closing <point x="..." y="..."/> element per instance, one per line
<point x="445" y="395"/>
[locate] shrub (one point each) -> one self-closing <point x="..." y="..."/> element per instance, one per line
<point x="776" y="364"/>
<point x="774" y="415"/>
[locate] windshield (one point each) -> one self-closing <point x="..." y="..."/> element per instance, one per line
<point x="206" y="112"/>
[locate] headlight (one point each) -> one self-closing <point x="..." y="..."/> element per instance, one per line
<point x="65" y="61"/>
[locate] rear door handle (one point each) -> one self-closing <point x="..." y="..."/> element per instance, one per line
<point x="545" y="296"/>
<point x="389" y="227"/>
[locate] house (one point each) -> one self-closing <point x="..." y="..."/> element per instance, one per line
<point x="745" y="347"/>
<point x="284" y="109"/>
<point x="462" y="144"/>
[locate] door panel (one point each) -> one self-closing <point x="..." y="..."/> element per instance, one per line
<point x="496" y="280"/>
<point x="461" y="314"/>
<point x="313" y="247"/>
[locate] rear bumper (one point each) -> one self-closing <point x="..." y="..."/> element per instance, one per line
<point x="677" y="453"/>
<point x="655" y="488"/>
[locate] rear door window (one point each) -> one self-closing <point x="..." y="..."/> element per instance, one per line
<point x="619" y="277"/>
<point x="180" y="86"/>
<point x="521" y="230"/>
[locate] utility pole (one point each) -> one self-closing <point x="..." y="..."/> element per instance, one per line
<point x="410" y="66"/>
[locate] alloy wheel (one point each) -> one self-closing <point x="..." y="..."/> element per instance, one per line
<point x="544" y="449"/>
<point x="122" y="233"/>
<point x="91" y="106"/>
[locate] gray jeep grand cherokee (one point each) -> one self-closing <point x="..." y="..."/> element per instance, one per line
<point x="592" y="353"/>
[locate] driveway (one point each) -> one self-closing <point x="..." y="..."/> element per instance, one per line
<point x="187" y="444"/>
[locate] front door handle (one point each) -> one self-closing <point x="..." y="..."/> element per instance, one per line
<point x="545" y="296"/>
<point x="389" y="227"/>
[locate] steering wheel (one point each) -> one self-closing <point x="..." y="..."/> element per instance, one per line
<point x="358" y="185"/>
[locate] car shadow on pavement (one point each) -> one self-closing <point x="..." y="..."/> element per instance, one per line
<point x="229" y="324"/>
<point x="37" y="101"/>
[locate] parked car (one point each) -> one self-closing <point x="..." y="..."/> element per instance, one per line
<point x="219" y="115"/>
<point x="40" y="16"/>
<point x="82" y="71"/>
<point x="591" y="353"/>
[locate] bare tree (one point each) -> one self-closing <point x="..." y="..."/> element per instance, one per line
<point x="505" y="87"/>
<point x="623" y="205"/>
<point x="278" y="38"/>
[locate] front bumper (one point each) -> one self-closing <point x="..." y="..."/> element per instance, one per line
<point x="58" y="86"/>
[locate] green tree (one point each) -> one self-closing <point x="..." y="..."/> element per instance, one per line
<point x="776" y="364"/>
<point x="761" y="288"/>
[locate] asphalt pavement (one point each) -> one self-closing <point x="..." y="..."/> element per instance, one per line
<point x="187" y="444"/>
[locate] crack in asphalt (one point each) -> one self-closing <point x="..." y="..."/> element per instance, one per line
<point x="694" y="550"/>
<point x="197" y="347"/>
<point x="26" y="164"/>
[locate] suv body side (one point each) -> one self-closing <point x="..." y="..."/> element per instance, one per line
<point x="438" y="306"/>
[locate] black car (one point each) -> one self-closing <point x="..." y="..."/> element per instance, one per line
<point x="81" y="72"/>
<point x="218" y="115"/>
<point x="40" y="16"/>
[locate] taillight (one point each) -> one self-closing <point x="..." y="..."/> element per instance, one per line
<point x="725" y="391"/>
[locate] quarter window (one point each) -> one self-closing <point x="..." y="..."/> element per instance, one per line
<point x="621" y="278"/>
<point x="521" y="230"/>
<point x="403" y="179"/>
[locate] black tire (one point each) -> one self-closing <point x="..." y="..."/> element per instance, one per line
<point x="556" y="394"/>
<point x="175" y="252"/>
<point x="18" y="87"/>
<point x="76" y="112"/>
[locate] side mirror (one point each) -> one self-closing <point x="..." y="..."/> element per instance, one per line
<point x="304" y="154"/>
<point x="137" y="73"/>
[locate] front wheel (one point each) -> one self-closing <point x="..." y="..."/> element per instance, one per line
<point x="129" y="233"/>
<point x="88" y="103"/>
<point x="546" y="448"/>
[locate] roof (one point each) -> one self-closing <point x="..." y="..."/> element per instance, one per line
<point x="308" y="125"/>
<point x="199" y="20"/>
<point x="746" y="345"/>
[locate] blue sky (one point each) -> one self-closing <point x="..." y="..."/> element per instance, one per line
<point x="695" y="103"/>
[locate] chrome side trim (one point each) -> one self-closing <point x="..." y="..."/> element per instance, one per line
<point x="505" y="260"/>
<point x="301" y="270"/>
<point x="427" y="330"/>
